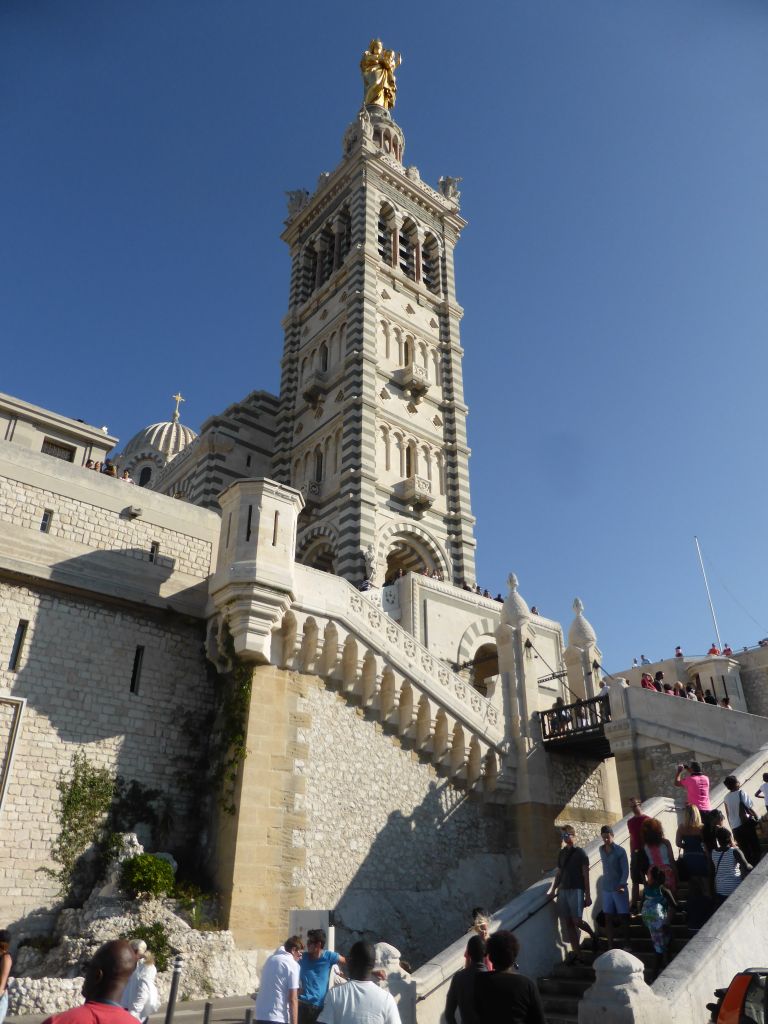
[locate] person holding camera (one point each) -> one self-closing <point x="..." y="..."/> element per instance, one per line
<point x="696" y="785"/>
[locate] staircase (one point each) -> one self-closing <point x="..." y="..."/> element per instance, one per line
<point x="561" y="990"/>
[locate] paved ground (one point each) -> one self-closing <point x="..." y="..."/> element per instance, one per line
<point x="225" y="1011"/>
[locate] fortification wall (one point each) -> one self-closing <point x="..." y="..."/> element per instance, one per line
<point x="75" y="672"/>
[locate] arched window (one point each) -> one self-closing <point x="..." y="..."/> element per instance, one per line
<point x="440" y="460"/>
<point x="424" y="359"/>
<point x="411" y="459"/>
<point x="400" y="442"/>
<point x="436" y="366"/>
<point x="386" y="225"/>
<point x="430" y="264"/>
<point x="408" y="350"/>
<point x="318" y="475"/>
<point x="337" y="452"/>
<point x="385" y="335"/>
<point x="323" y="357"/>
<point x="303" y="373"/>
<point x="145" y="476"/>
<point x="345" y="234"/>
<point x="327" y="245"/>
<point x="309" y="272"/>
<point x="426" y="462"/>
<point x="407" y="249"/>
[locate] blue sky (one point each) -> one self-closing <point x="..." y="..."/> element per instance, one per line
<point x="615" y="159"/>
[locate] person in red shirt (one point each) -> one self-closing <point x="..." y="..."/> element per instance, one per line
<point x="696" y="785"/>
<point x="636" y="855"/>
<point x="646" y="682"/>
<point x="106" y="975"/>
<point x="714" y="649"/>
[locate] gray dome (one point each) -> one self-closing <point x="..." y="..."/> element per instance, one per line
<point x="166" y="439"/>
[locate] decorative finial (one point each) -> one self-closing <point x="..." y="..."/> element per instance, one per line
<point x="577" y="605"/>
<point x="512" y="581"/>
<point x="378" y="67"/>
<point x="177" y="398"/>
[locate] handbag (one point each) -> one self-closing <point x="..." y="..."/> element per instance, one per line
<point x="745" y="813"/>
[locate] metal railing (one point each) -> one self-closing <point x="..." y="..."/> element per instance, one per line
<point x="580" y="718"/>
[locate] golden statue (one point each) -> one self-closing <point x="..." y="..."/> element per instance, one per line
<point x="378" y="67"/>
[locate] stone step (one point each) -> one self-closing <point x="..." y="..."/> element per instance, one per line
<point x="566" y="1006"/>
<point x="564" y="986"/>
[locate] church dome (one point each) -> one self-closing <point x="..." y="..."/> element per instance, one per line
<point x="167" y="439"/>
<point x="581" y="634"/>
<point x="154" y="447"/>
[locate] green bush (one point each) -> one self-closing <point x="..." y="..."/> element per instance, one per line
<point x="157" y="942"/>
<point x="146" y="875"/>
<point x="197" y="906"/>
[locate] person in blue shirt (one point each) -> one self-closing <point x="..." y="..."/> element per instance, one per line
<point x="315" y="975"/>
<point x="614" y="893"/>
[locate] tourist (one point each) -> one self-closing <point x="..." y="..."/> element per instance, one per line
<point x="461" y="991"/>
<point x="315" y="975"/>
<point x="742" y="818"/>
<point x="106" y="975"/>
<point x="730" y="865"/>
<point x="97" y="467"/>
<point x="725" y="702"/>
<point x="571" y="887"/>
<point x="644" y="660"/>
<point x="615" y="877"/>
<point x="679" y="690"/>
<point x="140" y="997"/>
<point x="635" y="663"/>
<point x="696" y="785"/>
<point x="658" y="681"/>
<point x="659" y="852"/>
<point x="534" y="610"/>
<point x="690" y="692"/>
<point x="713" y="650"/>
<point x="693" y="866"/>
<point x="126" y="477"/>
<point x="278" y="997"/>
<point x="709" y="698"/>
<point x="499" y="598"/>
<point x="561" y="717"/>
<point x="6" y="962"/>
<point x="361" y="1000"/>
<point x="712" y="822"/>
<point x="646" y="682"/>
<point x="89" y="463"/>
<point x="678" y="652"/>
<point x="658" y="901"/>
<point x="668" y="690"/>
<point x="503" y="994"/>
<point x="637" y="864"/>
<point x="481" y="923"/>
<point x="762" y="793"/>
<point x="604" y="690"/>
<point x="727" y="652"/>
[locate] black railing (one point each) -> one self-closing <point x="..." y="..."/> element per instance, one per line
<point x="569" y="721"/>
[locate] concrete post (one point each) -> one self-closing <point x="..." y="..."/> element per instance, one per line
<point x="620" y="994"/>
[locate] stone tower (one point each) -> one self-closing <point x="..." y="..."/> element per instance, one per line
<point x="372" y="421"/>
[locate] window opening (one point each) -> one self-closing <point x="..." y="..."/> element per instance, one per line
<point x="18" y="644"/>
<point x="58" y="451"/>
<point x="138" y="660"/>
<point x="385" y="239"/>
<point x="274" y="529"/>
<point x="248" y="524"/>
<point x="154" y="550"/>
<point x="144" y="476"/>
<point x="45" y="522"/>
<point x="318" y="466"/>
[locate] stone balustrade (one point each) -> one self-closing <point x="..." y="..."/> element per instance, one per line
<point x="335" y="631"/>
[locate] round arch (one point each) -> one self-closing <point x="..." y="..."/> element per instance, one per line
<point x="418" y="550"/>
<point x="477" y="649"/>
<point x="316" y="548"/>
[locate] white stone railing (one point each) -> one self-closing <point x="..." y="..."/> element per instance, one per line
<point x="336" y="631"/>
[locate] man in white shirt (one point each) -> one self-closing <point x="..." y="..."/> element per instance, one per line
<point x="360" y="1001"/>
<point x="762" y="793"/>
<point x="277" y="1001"/>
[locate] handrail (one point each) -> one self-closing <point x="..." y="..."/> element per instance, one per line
<point x="583" y="716"/>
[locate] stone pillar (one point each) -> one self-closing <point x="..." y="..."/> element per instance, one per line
<point x="253" y="584"/>
<point x="581" y="655"/>
<point x="338" y="233"/>
<point x="320" y="246"/>
<point x="620" y="994"/>
<point x="396" y="225"/>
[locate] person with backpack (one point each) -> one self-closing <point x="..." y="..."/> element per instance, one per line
<point x="742" y="818"/>
<point x="658" y="901"/>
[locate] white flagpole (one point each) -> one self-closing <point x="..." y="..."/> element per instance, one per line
<point x="709" y="596"/>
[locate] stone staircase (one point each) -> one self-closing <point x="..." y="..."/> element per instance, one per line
<point x="562" y="989"/>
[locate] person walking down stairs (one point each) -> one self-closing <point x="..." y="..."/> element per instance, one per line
<point x="658" y="902"/>
<point x="571" y="887"/>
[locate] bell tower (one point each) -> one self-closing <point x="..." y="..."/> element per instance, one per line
<point x="372" y="420"/>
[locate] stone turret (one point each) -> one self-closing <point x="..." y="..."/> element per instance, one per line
<point x="253" y="584"/>
<point x="582" y="655"/>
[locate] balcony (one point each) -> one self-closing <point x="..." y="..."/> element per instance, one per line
<point x="313" y="387"/>
<point x="414" y="379"/>
<point x="416" y="490"/>
<point x="577" y="728"/>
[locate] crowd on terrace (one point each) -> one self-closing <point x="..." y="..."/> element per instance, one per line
<point x="108" y="468"/>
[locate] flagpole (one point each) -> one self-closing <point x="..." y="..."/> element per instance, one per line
<point x="709" y="596"/>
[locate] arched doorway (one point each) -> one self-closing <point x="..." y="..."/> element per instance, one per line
<point x="404" y="557"/>
<point x="320" y="555"/>
<point x="485" y="666"/>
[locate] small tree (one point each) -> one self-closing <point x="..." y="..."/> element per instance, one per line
<point x="85" y="794"/>
<point x="146" y="875"/>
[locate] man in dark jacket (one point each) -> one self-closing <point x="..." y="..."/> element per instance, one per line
<point x="461" y="991"/>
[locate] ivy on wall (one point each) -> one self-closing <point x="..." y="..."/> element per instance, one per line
<point x="228" y="745"/>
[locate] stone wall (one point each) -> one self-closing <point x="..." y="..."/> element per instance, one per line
<point x="103" y="529"/>
<point x="754" y="680"/>
<point x="75" y="672"/>
<point x="395" y="851"/>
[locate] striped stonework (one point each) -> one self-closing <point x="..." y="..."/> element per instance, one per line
<point x="372" y="422"/>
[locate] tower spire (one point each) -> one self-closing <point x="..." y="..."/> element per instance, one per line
<point x="178" y="397"/>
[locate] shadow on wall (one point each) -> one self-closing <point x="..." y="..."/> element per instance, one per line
<point x="123" y="683"/>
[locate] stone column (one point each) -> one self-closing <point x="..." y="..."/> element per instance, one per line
<point x="338" y="234"/>
<point x="396" y="225"/>
<point x="320" y="247"/>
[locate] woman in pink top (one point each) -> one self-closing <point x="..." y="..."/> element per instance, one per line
<point x="695" y="784"/>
